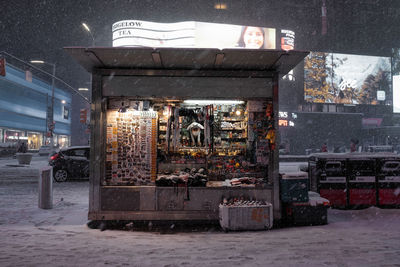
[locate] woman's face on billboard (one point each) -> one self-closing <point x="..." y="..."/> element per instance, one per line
<point x="253" y="37"/>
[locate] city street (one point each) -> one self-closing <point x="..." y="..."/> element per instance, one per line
<point x="195" y="119"/>
<point x="11" y="171"/>
<point x="60" y="237"/>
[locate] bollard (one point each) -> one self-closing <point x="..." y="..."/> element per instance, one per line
<point x="46" y="188"/>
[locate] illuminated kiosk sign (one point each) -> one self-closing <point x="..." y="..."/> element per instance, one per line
<point x="347" y="79"/>
<point x="136" y="33"/>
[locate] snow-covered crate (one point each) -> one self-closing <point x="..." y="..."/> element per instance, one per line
<point x="245" y="217"/>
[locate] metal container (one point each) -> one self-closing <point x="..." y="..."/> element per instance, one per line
<point x="362" y="182"/>
<point x="388" y="185"/>
<point x="236" y="218"/>
<point x="46" y="188"/>
<point x="332" y="181"/>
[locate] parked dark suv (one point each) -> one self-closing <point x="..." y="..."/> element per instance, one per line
<point x="70" y="162"/>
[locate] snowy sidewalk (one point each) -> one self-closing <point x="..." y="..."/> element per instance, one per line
<point x="11" y="171"/>
<point x="59" y="237"/>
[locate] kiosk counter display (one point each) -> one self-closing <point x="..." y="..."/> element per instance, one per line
<point x="177" y="132"/>
<point x="188" y="142"/>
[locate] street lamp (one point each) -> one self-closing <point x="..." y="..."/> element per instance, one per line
<point x="85" y="91"/>
<point x="50" y="125"/>
<point x="86" y="27"/>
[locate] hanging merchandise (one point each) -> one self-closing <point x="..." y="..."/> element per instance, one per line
<point x="176" y="131"/>
<point x="212" y="126"/>
<point x="269" y="112"/>
<point x="262" y="150"/>
<point x="207" y="128"/>
<point x="153" y="151"/>
<point x="195" y="133"/>
<point x="169" y="123"/>
<point x="147" y="147"/>
<point x="271" y="137"/>
<point x="129" y="148"/>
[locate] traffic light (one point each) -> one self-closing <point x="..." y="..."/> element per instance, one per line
<point x="83" y="115"/>
<point x="2" y="67"/>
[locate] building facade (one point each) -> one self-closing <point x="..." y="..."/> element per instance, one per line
<point x="310" y="119"/>
<point x="25" y="101"/>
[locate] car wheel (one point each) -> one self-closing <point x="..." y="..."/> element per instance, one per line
<point x="60" y="175"/>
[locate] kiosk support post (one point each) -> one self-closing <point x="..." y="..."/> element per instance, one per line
<point x="273" y="173"/>
<point x="96" y="143"/>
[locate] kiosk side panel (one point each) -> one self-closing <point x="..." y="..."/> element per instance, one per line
<point x="96" y="145"/>
<point x="273" y="170"/>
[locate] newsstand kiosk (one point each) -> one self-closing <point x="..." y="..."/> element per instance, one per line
<point x="175" y="132"/>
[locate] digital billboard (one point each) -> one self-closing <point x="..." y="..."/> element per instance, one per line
<point x="396" y="79"/>
<point x="136" y="33"/>
<point x="347" y="79"/>
<point x="287" y="40"/>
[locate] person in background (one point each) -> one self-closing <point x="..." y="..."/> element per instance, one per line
<point x="353" y="146"/>
<point x="324" y="148"/>
<point x="23" y="148"/>
<point x="252" y="37"/>
<point x="287" y="148"/>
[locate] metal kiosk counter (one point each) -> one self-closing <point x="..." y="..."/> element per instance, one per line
<point x="139" y="115"/>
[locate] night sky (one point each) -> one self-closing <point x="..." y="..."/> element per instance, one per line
<point x="39" y="29"/>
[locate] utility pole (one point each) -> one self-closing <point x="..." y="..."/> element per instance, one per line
<point x="324" y="23"/>
<point x="50" y="113"/>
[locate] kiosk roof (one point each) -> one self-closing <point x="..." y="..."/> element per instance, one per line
<point x="186" y="58"/>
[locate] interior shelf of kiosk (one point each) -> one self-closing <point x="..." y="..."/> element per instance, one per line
<point x="162" y="167"/>
<point x="233" y="119"/>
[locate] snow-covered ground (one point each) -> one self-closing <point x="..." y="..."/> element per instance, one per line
<point x="59" y="237"/>
<point x="30" y="236"/>
<point x="11" y="171"/>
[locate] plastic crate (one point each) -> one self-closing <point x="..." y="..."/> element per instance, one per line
<point x="235" y="218"/>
